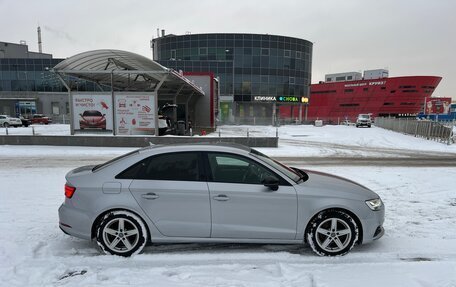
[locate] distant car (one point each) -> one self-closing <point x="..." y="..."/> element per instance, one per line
<point x="40" y="119"/>
<point x="25" y="121"/>
<point x="364" y="120"/>
<point x="7" y="121"/>
<point x="215" y="193"/>
<point x="346" y="123"/>
<point x="92" y="119"/>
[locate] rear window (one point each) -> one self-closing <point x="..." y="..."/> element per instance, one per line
<point x="97" y="167"/>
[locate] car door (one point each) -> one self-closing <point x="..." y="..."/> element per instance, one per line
<point x="172" y="190"/>
<point x="242" y="207"/>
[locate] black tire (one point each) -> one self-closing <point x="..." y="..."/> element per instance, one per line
<point x="5" y="124"/>
<point x="123" y="239"/>
<point x="325" y="240"/>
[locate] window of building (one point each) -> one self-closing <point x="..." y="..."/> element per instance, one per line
<point x="55" y="107"/>
<point x="287" y="53"/>
<point x="349" y="90"/>
<point x="388" y="104"/>
<point x="349" y="77"/>
<point x="264" y="52"/>
<point x="298" y="55"/>
<point x="349" y="105"/>
<point x="383" y="88"/>
<point x="328" y="80"/>
<point x="340" y="78"/>
<point x="366" y="89"/>
<point x="173" y="54"/>
<point x="291" y="80"/>
<point x="203" y="51"/>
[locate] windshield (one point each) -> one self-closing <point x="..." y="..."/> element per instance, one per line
<point x="91" y="114"/>
<point x="364" y="116"/>
<point x="290" y="173"/>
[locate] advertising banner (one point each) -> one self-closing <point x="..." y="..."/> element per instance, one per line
<point x="437" y="106"/>
<point x="92" y="112"/>
<point x="134" y="114"/>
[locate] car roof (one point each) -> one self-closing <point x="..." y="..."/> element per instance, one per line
<point x="201" y="146"/>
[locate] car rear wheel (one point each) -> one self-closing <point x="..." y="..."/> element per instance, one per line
<point x="121" y="233"/>
<point x="6" y="125"/>
<point x="332" y="233"/>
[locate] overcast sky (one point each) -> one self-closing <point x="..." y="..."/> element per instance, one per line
<point x="409" y="37"/>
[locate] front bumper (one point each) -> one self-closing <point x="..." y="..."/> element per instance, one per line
<point x="373" y="226"/>
<point x="74" y="222"/>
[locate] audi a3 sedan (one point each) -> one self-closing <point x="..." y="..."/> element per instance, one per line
<point x="215" y="193"/>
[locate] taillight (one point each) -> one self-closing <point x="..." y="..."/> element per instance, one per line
<point x="69" y="190"/>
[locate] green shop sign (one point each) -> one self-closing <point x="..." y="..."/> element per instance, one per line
<point x="289" y="99"/>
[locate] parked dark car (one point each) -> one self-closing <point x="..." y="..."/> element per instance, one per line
<point x="40" y="119"/>
<point x="25" y="121"/>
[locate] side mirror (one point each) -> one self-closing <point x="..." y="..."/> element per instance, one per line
<point x="272" y="182"/>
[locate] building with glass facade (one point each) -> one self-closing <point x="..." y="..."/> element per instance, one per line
<point x="27" y="85"/>
<point x="262" y="77"/>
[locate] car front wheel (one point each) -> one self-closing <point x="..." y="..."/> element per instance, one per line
<point x="121" y="233"/>
<point x="6" y="125"/>
<point x="332" y="233"/>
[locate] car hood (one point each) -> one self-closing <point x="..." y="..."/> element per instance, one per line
<point x="333" y="185"/>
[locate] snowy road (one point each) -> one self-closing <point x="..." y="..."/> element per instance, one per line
<point x="418" y="248"/>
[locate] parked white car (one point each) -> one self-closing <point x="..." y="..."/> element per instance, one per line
<point x="6" y="121"/>
<point x="364" y="120"/>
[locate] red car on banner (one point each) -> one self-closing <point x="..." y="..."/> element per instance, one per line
<point x="92" y="119"/>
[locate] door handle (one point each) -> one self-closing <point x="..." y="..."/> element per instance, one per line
<point x="150" y="195"/>
<point x="221" y="197"/>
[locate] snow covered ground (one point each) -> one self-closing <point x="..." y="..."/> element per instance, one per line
<point x="418" y="248"/>
<point x="295" y="140"/>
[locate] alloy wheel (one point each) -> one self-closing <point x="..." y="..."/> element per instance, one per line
<point x="333" y="235"/>
<point x="120" y="235"/>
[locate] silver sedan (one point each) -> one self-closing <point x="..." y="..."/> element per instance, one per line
<point x="215" y="193"/>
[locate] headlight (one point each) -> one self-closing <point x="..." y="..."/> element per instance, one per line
<point x="374" y="204"/>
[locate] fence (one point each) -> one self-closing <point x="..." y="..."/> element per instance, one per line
<point x="439" y="131"/>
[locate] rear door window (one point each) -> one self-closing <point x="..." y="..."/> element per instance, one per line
<point x="182" y="166"/>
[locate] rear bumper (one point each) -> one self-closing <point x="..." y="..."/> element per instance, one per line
<point x="74" y="222"/>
